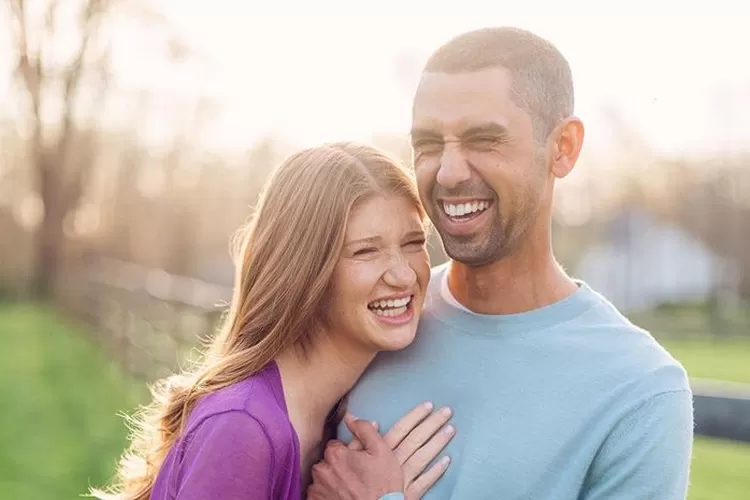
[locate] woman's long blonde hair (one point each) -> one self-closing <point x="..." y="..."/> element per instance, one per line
<point x="287" y="254"/>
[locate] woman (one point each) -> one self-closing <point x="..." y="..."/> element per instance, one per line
<point x="333" y="270"/>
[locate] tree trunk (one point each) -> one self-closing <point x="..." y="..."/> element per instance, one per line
<point x="50" y="236"/>
<point x="49" y="242"/>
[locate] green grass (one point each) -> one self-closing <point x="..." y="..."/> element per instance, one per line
<point x="708" y="348"/>
<point x="726" y="359"/>
<point x="59" y="430"/>
<point x="720" y="471"/>
<point x="696" y="320"/>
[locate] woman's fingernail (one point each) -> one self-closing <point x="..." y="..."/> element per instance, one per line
<point x="446" y="411"/>
<point x="428" y="405"/>
<point x="445" y="460"/>
<point x="449" y="429"/>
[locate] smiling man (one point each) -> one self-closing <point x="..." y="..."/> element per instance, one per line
<point x="556" y="395"/>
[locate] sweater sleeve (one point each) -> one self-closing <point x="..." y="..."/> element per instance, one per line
<point x="227" y="456"/>
<point x="648" y="453"/>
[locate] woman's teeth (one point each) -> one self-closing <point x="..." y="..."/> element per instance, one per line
<point x="391" y="307"/>
<point x="465" y="208"/>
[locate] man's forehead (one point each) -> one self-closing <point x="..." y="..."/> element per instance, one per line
<point x="487" y="83"/>
<point x="463" y="100"/>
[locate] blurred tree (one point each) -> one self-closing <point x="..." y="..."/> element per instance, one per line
<point x="62" y="65"/>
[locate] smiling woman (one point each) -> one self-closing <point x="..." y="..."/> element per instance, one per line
<point x="332" y="269"/>
<point x="378" y="287"/>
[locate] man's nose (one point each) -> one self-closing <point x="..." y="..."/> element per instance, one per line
<point x="454" y="170"/>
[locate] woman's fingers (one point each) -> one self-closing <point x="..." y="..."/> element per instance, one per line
<point x="355" y="444"/>
<point x="421" y="458"/>
<point x="416" y="440"/>
<point x="424" y="482"/>
<point x="407" y="423"/>
<point x="422" y="433"/>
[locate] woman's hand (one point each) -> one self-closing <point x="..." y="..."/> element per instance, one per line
<point x="416" y="440"/>
<point x="373" y="465"/>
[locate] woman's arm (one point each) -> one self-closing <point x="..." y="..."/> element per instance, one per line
<point x="228" y="456"/>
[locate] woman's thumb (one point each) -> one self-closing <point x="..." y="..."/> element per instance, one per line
<point x="364" y="432"/>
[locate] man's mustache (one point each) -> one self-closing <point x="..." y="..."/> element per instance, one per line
<point x="467" y="190"/>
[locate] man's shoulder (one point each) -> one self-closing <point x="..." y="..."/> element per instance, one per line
<point x="631" y="350"/>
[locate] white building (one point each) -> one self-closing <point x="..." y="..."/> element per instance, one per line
<point x="643" y="262"/>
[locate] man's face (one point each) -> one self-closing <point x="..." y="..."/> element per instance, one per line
<point x="481" y="174"/>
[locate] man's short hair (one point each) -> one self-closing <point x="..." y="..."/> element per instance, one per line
<point x="542" y="83"/>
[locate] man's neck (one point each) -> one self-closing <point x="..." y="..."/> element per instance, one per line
<point x="527" y="279"/>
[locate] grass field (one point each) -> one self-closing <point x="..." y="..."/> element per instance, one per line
<point x="58" y="429"/>
<point x="720" y="471"/>
<point x="682" y="331"/>
<point x="727" y="359"/>
<point x="59" y="432"/>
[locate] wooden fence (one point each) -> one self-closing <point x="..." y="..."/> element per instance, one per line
<point x="146" y="319"/>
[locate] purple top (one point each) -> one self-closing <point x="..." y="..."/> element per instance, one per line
<point x="239" y="444"/>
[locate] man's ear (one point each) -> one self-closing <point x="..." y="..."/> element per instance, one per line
<point x="564" y="146"/>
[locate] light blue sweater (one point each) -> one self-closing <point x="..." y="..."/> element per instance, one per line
<point x="567" y="402"/>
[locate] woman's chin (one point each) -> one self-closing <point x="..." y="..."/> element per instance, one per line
<point x="397" y="338"/>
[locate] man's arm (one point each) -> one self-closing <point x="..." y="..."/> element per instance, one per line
<point x="647" y="455"/>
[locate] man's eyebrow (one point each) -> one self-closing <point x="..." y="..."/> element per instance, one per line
<point x="423" y="132"/>
<point x="490" y="128"/>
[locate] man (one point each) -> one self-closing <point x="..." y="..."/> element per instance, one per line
<point x="556" y="395"/>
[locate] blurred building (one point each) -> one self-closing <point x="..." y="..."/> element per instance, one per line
<point x="643" y="262"/>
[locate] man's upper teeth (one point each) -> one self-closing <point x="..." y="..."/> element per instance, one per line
<point x="465" y="208"/>
<point x="391" y="302"/>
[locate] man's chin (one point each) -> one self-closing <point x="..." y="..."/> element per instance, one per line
<point x="467" y="256"/>
<point x="469" y="252"/>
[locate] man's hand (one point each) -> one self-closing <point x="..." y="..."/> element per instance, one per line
<point x="371" y="465"/>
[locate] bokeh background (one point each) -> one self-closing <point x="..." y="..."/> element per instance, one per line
<point x="135" y="137"/>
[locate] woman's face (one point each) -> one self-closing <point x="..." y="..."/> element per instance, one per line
<point x="379" y="284"/>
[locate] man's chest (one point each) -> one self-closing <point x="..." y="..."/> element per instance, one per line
<point x="515" y="438"/>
